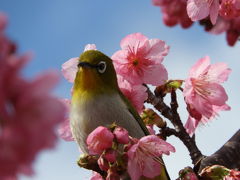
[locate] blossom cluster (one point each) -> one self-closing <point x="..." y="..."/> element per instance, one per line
<point x="217" y="16"/>
<point x="140" y="62"/>
<point x="117" y="153"/>
<point x="26" y="110"/>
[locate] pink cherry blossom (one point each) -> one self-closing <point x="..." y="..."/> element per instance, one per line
<point x="69" y="68"/>
<point x="27" y="110"/>
<point x="203" y="93"/>
<point x="64" y="129"/>
<point x="121" y="135"/>
<point x="136" y="94"/>
<point x="174" y="12"/>
<point x="99" y="140"/>
<point x="200" y="9"/>
<point x="140" y="60"/>
<point x="143" y="157"/>
<point x="230" y="9"/>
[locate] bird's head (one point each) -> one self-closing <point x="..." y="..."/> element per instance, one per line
<point x="96" y="73"/>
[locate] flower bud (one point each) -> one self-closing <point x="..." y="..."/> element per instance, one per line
<point x="187" y="174"/>
<point x="99" y="140"/>
<point x="110" y="155"/>
<point x="121" y="135"/>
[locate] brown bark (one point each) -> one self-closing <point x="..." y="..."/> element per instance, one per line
<point x="228" y="155"/>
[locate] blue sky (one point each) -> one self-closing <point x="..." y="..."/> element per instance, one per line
<point x="57" y="30"/>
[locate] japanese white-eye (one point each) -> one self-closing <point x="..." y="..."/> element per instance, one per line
<point x="98" y="101"/>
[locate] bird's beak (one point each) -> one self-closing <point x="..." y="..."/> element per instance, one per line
<point x="85" y="65"/>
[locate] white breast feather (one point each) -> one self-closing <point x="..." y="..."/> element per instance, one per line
<point x="102" y="110"/>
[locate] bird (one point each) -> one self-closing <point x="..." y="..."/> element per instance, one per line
<point x="98" y="101"/>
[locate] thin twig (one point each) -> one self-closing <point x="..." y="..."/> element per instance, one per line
<point x="166" y="132"/>
<point x="173" y="116"/>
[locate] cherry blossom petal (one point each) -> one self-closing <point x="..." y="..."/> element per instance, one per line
<point x="221" y="26"/>
<point x="214" y="11"/>
<point x="200" y="67"/>
<point x="197" y="9"/>
<point x="136" y="94"/>
<point x="90" y="47"/>
<point x="202" y="106"/>
<point x="219" y="72"/>
<point x="217" y="95"/>
<point x="64" y="129"/>
<point x="69" y="69"/>
<point x="134" y="170"/>
<point x="152" y="169"/>
<point x="135" y="41"/>
<point x="157" y="50"/>
<point x="156" y="75"/>
<point x="143" y="157"/>
<point x="158" y="145"/>
<point x="191" y="125"/>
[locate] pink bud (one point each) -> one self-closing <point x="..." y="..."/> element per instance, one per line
<point x="99" y="140"/>
<point x="110" y="155"/>
<point x="121" y="135"/>
<point x="190" y="176"/>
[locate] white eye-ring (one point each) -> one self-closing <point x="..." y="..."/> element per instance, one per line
<point x="102" y="66"/>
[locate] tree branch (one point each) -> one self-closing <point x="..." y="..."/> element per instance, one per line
<point x="90" y="162"/>
<point x="173" y="116"/>
<point x="228" y="155"/>
<point x="166" y="132"/>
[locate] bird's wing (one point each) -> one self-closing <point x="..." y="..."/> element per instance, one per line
<point x="135" y="114"/>
<point x="164" y="174"/>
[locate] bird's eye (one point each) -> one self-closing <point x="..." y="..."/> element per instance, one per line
<point x="101" y="67"/>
